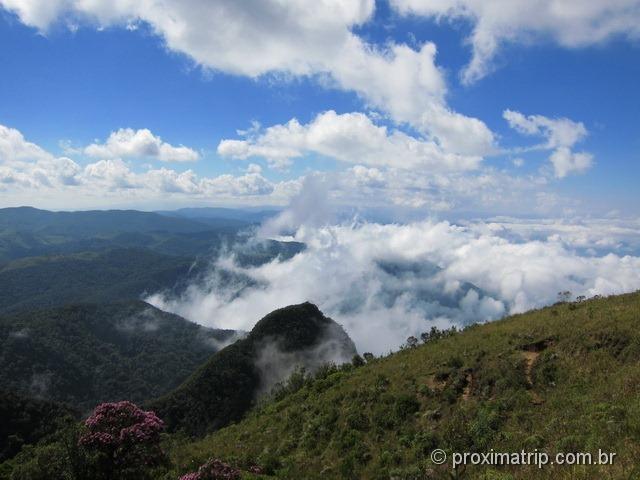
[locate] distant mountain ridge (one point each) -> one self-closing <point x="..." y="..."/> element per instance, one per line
<point x="92" y="223"/>
<point x="48" y="259"/>
<point x="29" y="232"/>
<point x="234" y="214"/>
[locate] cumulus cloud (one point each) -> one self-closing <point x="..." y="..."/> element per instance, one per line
<point x="484" y="190"/>
<point x="561" y="135"/>
<point x="30" y="174"/>
<point x="349" y="138"/>
<point x="569" y="23"/>
<point x="293" y="38"/>
<point x="127" y="142"/>
<point x="386" y="282"/>
<point x="565" y="161"/>
<point x="25" y="165"/>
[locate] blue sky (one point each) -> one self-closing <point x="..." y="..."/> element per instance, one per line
<point x="72" y="76"/>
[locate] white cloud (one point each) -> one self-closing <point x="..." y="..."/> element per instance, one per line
<point x="298" y="38"/>
<point x="14" y="147"/>
<point x="127" y="142"/>
<point x="31" y="175"/>
<point x="559" y="132"/>
<point x="569" y="23"/>
<point x="561" y="135"/>
<point x="565" y="161"/>
<point x="25" y="165"/>
<point x="349" y="138"/>
<point x="593" y="236"/>
<point x="386" y="282"/>
<point x="110" y="174"/>
<point x="254" y="168"/>
<point x="458" y="133"/>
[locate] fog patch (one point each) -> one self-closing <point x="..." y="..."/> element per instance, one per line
<point x="20" y="334"/>
<point x="208" y="338"/>
<point x="145" y="321"/>
<point x="276" y="365"/>
<point x="39" y="385"/>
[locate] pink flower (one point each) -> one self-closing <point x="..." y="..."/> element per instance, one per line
<point x="128" y="435"/>
<point x="214" y="469"/>
<point x="190" y="476"/>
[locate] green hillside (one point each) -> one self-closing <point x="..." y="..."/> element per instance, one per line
<point x="561" y="379"/>
<point x="224" y="388"/>
<point x="27" y="420"/>
<point x="106" y="276"/>
<point x="86" y="354"/>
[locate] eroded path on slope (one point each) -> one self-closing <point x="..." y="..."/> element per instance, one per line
<point x="530" y="353"/>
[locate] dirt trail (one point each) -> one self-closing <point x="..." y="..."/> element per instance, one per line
<point x="530" y="358"/>
<point x="466" y="393"/>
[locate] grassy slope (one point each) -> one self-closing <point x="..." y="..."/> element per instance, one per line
<point x="469" y="392"/>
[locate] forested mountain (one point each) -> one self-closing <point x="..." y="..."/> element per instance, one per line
<point x="27" y="420"/>
<point x="224" y="388"/>
<point x="86" y="354"/>
<point x="93" y="223"/>
<point x="87" y="277"/>
<point x="50" y="259"/>
<point x="28" y="232"/>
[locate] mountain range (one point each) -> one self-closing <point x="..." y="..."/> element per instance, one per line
<point x="292" y="398"/>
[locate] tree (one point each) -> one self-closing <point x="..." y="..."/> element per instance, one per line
<point x="412" y="342"/>
<point x="123" y="440"/>
<point x="368" y="356"/>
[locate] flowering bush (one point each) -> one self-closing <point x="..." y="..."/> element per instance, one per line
<point x="214" y="470"/>
<point x="125" y="439"/>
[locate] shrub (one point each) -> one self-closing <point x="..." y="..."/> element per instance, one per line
<point x="405" y="406"/>
<point x="425" y="442"/>
<point x="357" y="361"/>
<point x="412" y="342"/>
<point x="214" y="469"/>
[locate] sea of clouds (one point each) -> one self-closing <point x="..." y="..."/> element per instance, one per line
<point x="385" y="282"/>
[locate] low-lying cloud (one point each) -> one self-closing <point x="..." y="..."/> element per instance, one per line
<point x="386" y="282"/>
<point x="276" y="364"/>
